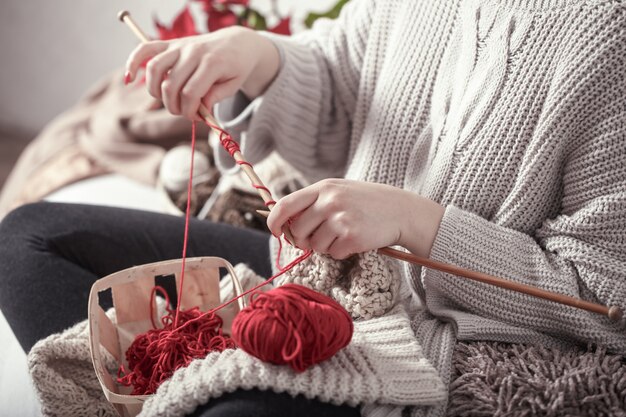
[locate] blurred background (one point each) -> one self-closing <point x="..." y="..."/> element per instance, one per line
<point x="53" y="51"/>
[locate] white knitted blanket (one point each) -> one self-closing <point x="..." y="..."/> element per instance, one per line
<point x="383" y="364"/>
<point x="383" y="369"/>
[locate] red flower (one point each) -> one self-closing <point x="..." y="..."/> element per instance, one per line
<point x="283" y="27"/>
<point x="220" y="5"/>
<point x="182" y="26"/>
<point x="220" y="14"/>
<point x="219" y="19"/>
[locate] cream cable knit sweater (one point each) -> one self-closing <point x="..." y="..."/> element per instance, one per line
<point x="510" y="113"/>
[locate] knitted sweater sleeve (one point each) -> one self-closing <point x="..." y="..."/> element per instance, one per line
<point x="306" y="114"/>
<point x="581" y="252"/>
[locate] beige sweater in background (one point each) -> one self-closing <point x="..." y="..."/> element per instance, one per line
<point x="512" y="114"/>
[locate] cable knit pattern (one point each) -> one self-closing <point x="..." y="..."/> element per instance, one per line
<point x="365" y="285"/>
<point x="509" y="113"/>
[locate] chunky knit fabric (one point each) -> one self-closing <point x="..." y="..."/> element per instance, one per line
<point x="63" y="375"/>
<point x="383" y="364"/>
<point x="511" y="113"/>
<point x="382" y="368"/>
<point x="366" y="285"/>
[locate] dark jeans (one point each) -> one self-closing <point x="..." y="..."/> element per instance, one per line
<point x="50" y="254"/>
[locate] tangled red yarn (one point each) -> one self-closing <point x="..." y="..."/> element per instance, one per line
<point x="155" y="355"/>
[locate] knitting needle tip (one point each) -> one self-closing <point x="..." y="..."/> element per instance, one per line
<point x="122" y="14"/>
<point x="615" y="313"/>
<point x="264" y="213"/>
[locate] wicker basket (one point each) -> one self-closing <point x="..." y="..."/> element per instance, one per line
<point x="131" y="291"/>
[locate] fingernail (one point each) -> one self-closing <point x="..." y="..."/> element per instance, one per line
<point x="126" y="77"/>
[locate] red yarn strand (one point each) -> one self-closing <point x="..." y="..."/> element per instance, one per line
<point x="187" y="215"/>
<point x="231" y="147"/>
<point x="289" y="266"/>
<point x="227" y="142"/>
<point x="157" y="288"/>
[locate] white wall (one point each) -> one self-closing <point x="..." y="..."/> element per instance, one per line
<point x="51" y="51"/>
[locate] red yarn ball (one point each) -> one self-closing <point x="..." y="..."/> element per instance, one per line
<point x="292" y="325"/>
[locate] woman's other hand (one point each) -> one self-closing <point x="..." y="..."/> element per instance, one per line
<point x="186" y="72"/>
<point x="342" y="217"/>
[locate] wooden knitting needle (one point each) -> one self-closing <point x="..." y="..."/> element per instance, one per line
<point x="125" y="17"/>
<point x="613" y="312"/>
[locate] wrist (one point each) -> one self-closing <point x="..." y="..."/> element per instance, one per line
<point x="266" y="68"/>
<point x="421" y="224"/>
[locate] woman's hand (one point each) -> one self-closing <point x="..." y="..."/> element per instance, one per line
<point x="342" y="217"/>
<point x="205" y="69"/>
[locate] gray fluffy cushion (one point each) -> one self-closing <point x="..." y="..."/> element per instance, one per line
<point x="499" y="379"/>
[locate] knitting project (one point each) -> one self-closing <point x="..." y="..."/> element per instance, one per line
<point x="366" y="284"/>
<point x="382" y="349"/>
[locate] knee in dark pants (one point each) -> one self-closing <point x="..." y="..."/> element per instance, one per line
<point x="24" y="286"/>
<point x="20" y="232"/>
<point x="26" y="219"/>
<point x="23" y="231"/>
<point x="37" y="226"/>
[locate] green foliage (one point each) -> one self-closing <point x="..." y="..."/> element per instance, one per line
<point x="333" y="13"/>
<point x="254" y="19"/>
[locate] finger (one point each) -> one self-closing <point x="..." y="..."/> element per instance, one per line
<point x="220" y="91"/>
<point x="349" y="240"/>
<point x="306" y="223"/>
<point x="323" y="238"/>
<point x="341" y="249"/>
<point x="177" y="77"/>
<point x="142" y="53"/>
<point x="288" y="206"/>
<point x="197" y="87"/>
<point x="156" y="70"/>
